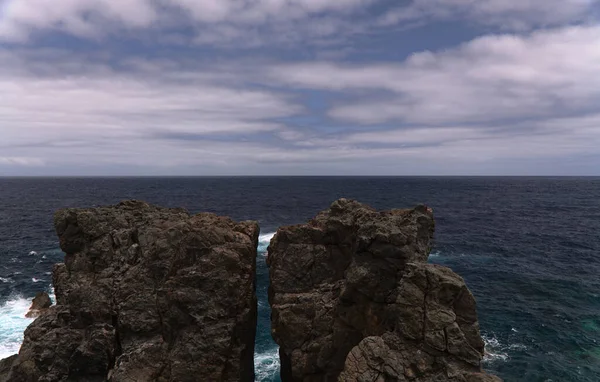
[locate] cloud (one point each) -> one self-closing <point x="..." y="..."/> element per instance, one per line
<point x="495" y="99"/>
<point x="213" y="20"/>
<point x="506" y="14"/>
<point x="558" y="137"/>
<point x="492" y="79"/>
<point x="21" y="161"/>
<point x="71" y="100"/>
<point x="466" y="109"/>
<point x="253" y="11"/>
<point x="252" y="23"/>
<point x="85" y="18"/>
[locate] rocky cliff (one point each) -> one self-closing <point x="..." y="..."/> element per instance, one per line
<point x="154" y="294"/>
<point x="145" y="294"/>
<point x="353" y="299"/>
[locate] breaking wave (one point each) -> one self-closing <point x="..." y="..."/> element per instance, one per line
<point x="13" y="322"/>
<point x="263" y="241"/>
<point x="12" y="325"/>
<point x="497" y="351"/>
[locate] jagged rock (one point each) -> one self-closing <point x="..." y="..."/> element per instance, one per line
<point x="40" y="303"/>
<point x="390" y="358"/>
<point x="354" y="300"/>
<point x="5" y="365"/>
<point x="146" y="294"/>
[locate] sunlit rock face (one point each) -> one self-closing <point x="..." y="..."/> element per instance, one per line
<point x="354" y="299"/>
<point x="146" y="294"/>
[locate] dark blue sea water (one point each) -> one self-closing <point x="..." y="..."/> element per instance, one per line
<point x="528" y="248"/>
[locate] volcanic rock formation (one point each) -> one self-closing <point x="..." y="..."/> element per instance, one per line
<point x="353" y="299"/>
<point x="40" y="303"/>
<point x="145" y="294"/>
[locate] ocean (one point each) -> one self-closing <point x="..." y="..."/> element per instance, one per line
<point x="529" y="249"/>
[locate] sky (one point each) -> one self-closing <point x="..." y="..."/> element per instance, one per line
<point x="299" y="87"/>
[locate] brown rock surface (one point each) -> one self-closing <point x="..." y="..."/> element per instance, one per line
<point x="353" y="299"/>
<point x="40" y="303"/>
<point x="146" y="294"/>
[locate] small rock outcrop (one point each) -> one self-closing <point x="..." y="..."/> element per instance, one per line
<point x="40" y="303"/>
<point x="353" y="299"/>
<point x="5" y="365"/>
<point x="145" y="294"/>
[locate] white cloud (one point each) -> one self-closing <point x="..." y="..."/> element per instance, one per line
<point x="488" y="101"/>
<point x="21" y="161"/>
<point x="507" y="14"/>
<point x="546" y="138"/>
<point x="252" y="23"/>
<point x="423" y="136"/>
<point x="65" y="111"/>
<point x="490" y="79"/>
<point x="215" y="20"/>
<point x="86" y="18"/>
<point x="74" y="101"/>
<point x="492" y="100"/>
<point x="257" y="11"/>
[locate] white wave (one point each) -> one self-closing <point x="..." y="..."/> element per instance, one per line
<point x="496" y="351"/>
<point x="32" y="253"/>
<point x="12" y="325"/>
<point x="264" y="241"/>
<point x="520" y="347"/>
<point x="51" y="294"/>
<point x="7" y="280"/>
<point x="266" y="238"/>
<point x="435" y="254"/>
<point x="266" y="365"/>
<point x="33" y="279"/>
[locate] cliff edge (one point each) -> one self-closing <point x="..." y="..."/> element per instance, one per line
<point x="145" y="294"/>
<point x="353" y="299"/>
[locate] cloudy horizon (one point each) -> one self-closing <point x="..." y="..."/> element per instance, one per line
<point x="299" y="87"/>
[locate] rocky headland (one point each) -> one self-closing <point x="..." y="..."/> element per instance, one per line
<point x="155" y="294"/>
<point x="145" y="294"/>
<point x="353" y="299"/>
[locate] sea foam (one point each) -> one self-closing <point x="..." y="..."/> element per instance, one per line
<point x="12" y="325"/>
<point x="266" y="364"/>
<point x="13" y="322"/>
<point x="496" y="351"/>
<point x="264" y="241"/>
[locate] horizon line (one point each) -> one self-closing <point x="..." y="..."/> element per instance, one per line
<point x="284" y="176"/>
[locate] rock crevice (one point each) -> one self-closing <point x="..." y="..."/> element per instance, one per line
<point x="155" y="294"/>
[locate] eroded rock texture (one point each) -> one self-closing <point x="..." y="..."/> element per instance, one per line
<point x="146" y="294"/>
<point x="353" y="299"/>
<point x="40" y="303"/>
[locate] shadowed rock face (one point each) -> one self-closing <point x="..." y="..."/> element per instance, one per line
<point x="353" y="299"/>
<point x="146" y="294"/>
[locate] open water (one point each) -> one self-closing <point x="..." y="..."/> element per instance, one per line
<point x="529" y="249"/>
